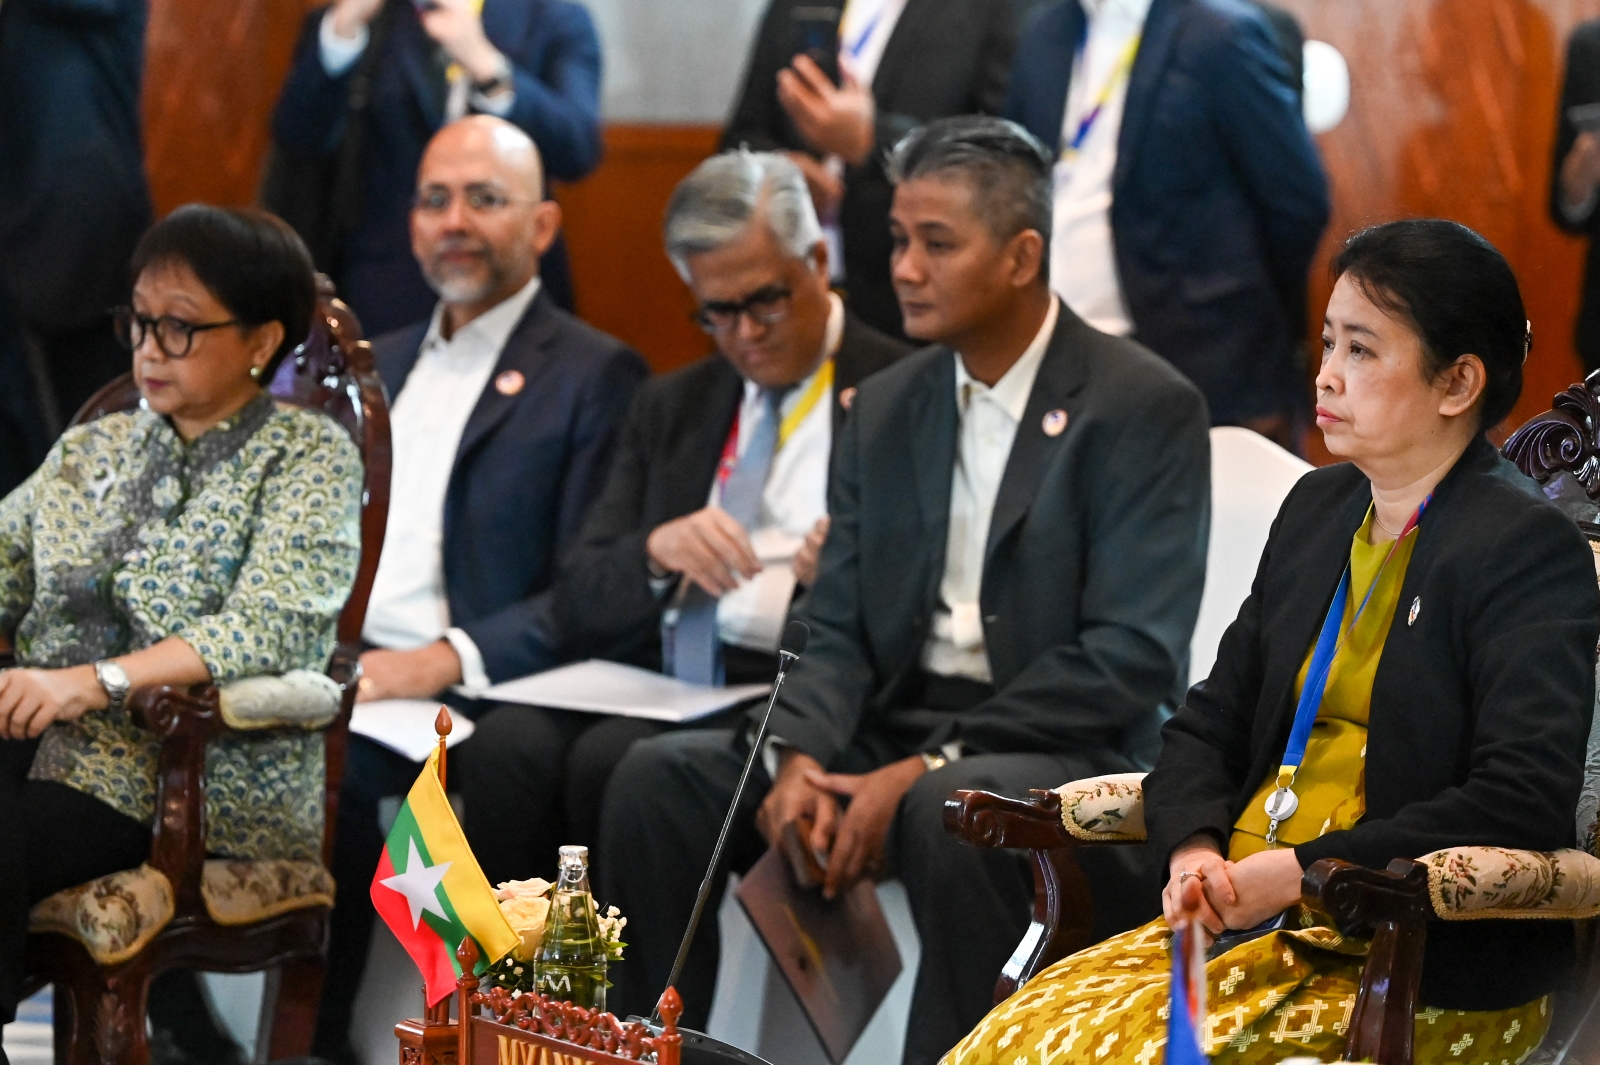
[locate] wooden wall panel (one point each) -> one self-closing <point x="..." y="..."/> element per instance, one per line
<point x="1452" y="114"/>
<point x="212" y="73"/>
<point x="624" y="283"/>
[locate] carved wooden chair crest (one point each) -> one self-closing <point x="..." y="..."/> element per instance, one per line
<point x="1561" y="450"/>
<point x="101" y="948"/>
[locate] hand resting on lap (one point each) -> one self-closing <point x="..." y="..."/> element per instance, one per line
<point x="1228" y="895"/>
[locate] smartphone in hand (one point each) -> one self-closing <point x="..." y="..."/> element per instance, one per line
<point x="815" y="33"/>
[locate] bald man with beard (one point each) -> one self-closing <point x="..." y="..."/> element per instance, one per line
<point x="504" y="413"/>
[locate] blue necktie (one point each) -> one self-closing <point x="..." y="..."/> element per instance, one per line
<point x="691" y="648"/>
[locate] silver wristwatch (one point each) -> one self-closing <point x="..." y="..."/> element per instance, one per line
<point x="114" y="679"/>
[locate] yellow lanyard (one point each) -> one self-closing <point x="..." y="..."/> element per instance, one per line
<point x="821" y="382"/>
<point x="1119" y="73"/>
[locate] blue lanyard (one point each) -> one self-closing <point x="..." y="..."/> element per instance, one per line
<point x="1281" y="803"/>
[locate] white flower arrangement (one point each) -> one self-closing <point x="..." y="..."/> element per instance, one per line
<point x="525" y="904"/>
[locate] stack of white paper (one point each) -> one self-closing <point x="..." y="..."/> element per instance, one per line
<point x="599" y="687"/>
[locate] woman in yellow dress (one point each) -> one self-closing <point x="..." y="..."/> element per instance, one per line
<point x="1413" y="670"/>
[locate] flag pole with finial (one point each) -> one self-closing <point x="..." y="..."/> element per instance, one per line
<point x="442" y="725"/>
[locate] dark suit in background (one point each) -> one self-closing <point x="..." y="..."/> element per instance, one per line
<point x="1480" y="704"/>
<point x="1218" y="199"/>
<point x="73" y="198"/>
<point x="945" y="57"/>
<point x="527" y="467"/>
<point x="1095" y="560"/>
<point x="1582" y="86"/>
<point x="555" y="55"/>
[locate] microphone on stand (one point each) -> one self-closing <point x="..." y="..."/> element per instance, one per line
<point x="793" y="646"/>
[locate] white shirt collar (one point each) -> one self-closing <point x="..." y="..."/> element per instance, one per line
<point x="493" y="327"/>
<point x="1134" y="10"/>
<point x="1012" y="390"/>
<point x="832" y="334"/>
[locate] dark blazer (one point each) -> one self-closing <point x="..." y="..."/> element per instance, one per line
<point x="1582" y="86"/>
<point x="1091" y="584"/>
<point x="945" y="57"/>
<point x="73" y="199"/>
<point x="555" y="55"/>
<point x="526" y="471"/>
<point x="1218" y="197"/>
<point x="1480" y="708"/>
<point x="666" y="459"/>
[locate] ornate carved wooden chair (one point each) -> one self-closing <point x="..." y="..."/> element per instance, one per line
<point x="1561" y="450"/>
<point x="100" y="944"/>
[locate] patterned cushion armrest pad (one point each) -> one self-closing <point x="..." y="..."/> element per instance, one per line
<point x="300" y="698"/>
<point x="1108" y="809"/>
<point x="1494" y="883"/>
<point x="246" y="892"/>
<point x="114" y="917"/>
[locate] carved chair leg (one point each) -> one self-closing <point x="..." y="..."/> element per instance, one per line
<point x="100" y="1015"/>
<point x="289" y="1009"/>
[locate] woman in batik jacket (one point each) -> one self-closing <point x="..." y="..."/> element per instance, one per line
<point x="209" y="536"/>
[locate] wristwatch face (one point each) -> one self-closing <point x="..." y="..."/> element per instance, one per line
<point x="113" y="678"/>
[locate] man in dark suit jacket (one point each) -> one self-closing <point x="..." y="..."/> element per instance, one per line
<point x="1575" y="178"/>
<point x="1217" y="198"/>
<point x="73" y="199"/>
<point x="743" y="231"/>
<point x="535" y="63"/>
<point x="913" y="60"/>
<point x="504" y="417"/>
<point x="1004" y="601"/>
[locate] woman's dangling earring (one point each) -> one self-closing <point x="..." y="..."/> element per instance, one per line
<point x="255" y="373"/>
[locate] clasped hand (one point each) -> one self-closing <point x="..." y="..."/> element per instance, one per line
<point x="31" y="700"/>
<point x="848" y="844"/>
<point x="1221" y="894"/>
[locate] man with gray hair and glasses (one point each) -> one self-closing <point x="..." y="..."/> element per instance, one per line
<point x="716" y="504"/>
<point x="1004" y="602"/>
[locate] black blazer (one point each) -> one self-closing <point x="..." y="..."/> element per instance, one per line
<point x="945" y="57"/>
<point x="666" y="459"/>
<point x="73" y="199"/>
<point x="1582" y="86"/>
<point x="1480" y="708"/>
<point x="526" y="471"/>
<point x="1219" y="198"/>
<point x="1091" y="584"/>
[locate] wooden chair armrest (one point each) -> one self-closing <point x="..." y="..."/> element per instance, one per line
<point x="186" y="720"/>
<point x="985" y="819"/>
<point x="1394" y="902"/>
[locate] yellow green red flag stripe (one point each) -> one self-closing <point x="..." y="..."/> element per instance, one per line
<point x="430" y="892"/>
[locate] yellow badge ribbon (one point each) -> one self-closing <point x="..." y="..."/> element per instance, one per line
<point x="821" y="383"/>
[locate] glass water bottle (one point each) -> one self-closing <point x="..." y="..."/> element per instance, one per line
<point x="571" y="964"/>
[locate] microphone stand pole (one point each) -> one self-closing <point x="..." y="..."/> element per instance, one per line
<point x="786" y="658"/>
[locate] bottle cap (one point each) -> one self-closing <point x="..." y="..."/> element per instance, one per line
<point x="574" y="854"/>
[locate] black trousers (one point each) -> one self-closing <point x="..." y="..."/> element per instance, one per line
<point x="52" y="837"/>
<point x="971" y="906"/>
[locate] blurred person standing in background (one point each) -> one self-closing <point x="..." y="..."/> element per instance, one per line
<point x="73" y="203"/>
<point x="373" y="80"/>
<point x="835" y="87"/>
<point x="1575" y="177"/>
<point x="1189" y="196"/>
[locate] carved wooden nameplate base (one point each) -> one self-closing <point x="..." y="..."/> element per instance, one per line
<point x="532" y="1030"/>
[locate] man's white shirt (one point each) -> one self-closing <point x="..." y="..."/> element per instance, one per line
<point x="793" y="499"/>
<point x="988" y="420"/>
<point x="409" y="607"/>
<point x="1083" y="259"/>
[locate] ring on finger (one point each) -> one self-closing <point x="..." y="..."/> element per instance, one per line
<point x="1186" y="874"/>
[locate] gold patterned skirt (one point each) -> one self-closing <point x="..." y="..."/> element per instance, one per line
<point x="1282" y="995"/>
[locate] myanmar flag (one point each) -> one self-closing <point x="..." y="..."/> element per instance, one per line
<point x="430" y="891"/>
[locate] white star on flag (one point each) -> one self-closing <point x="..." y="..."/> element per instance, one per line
<point x="419" y="883"/>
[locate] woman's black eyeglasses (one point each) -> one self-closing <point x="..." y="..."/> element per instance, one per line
<point x="174" y="336"/>
<point x="767" y="306"/>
